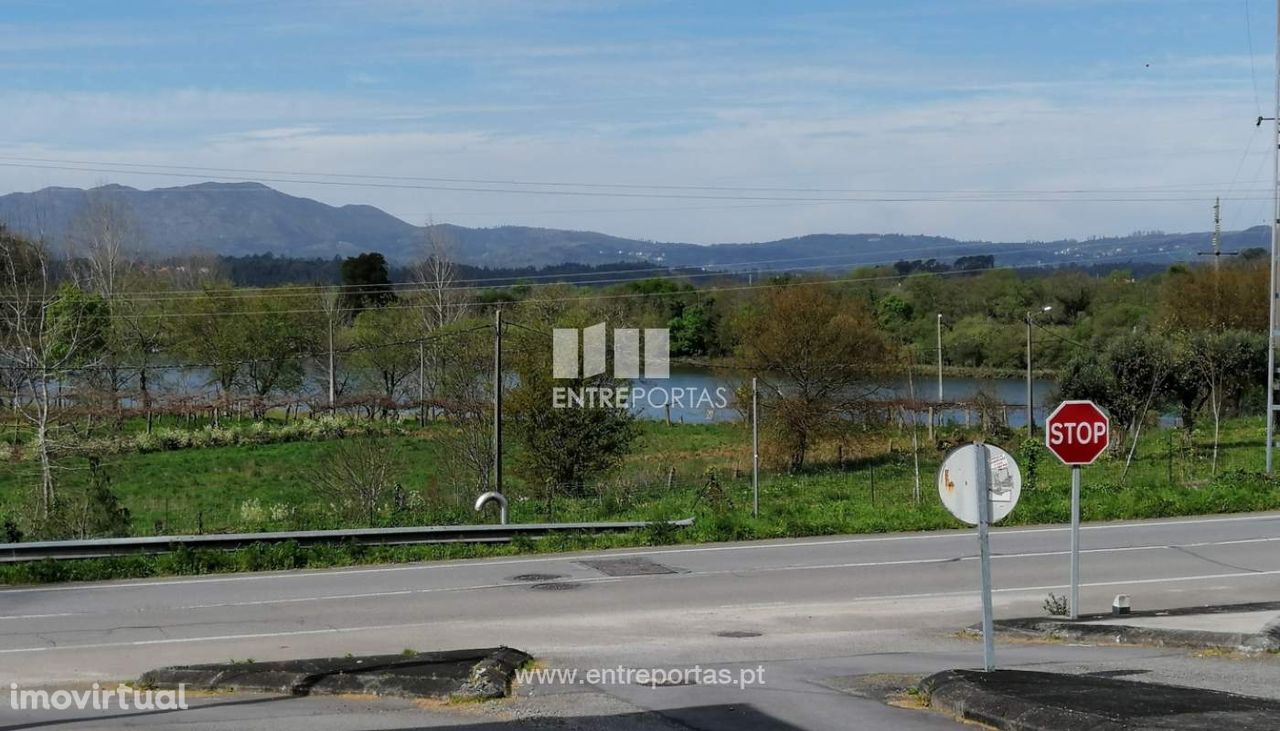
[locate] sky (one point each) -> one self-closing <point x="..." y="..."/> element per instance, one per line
<point x="705" y="121"/>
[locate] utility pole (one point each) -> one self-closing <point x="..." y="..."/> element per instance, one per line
<point x="755" y="450"/>
<point x="332" y="390"/>
<point x="497" y="401"/>
<point x="1215" y="248"/>
<point x="939" y="357"/>
<point x="422" y="383"/>
<point x="1031" y="414"/>
<point x="1031" y="418"/>
<point x="1275" y="253"/>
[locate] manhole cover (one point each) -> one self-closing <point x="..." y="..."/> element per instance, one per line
<point x="535" y="577"/>
<point x="556" y="586"/>
<point x="628" y="567"/>
<point x="737" y="633"/>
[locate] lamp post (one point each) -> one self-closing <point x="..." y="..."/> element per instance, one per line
<point x="1031" y="414"/>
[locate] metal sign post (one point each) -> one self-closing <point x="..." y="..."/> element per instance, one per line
<point x="980" y="484"/>
<point x="982" y="475"/>
<point x="1077" y="432"/>
<point x="1075" y="541"/>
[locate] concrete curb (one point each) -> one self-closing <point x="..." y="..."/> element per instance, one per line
<point x="458" y="674"/>
<point x="1124" y="634"/>
<point x="1021" y="700"/>
<point x="1267" y="640"/>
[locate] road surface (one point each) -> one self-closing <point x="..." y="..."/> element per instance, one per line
<point x="811" y="612"/>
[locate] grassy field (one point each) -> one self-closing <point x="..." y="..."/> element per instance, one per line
<point x="863" y="485"/>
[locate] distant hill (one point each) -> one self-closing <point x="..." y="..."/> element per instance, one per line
<point x="243" y="219"/>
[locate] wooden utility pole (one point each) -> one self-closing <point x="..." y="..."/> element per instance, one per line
<point x="422" y="383"/>
<point x="497" y="400"/>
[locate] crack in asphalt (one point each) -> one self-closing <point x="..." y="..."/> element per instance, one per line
<point x="1206" y="559"/>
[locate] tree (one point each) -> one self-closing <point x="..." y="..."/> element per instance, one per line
<point x="104" y="243"/>
<point x="1126" y="378"/>
<point x="562" y="449"/>
<point x="435" y="275"/>
<point x="693" y="331"/>
<point x="357" y="475"/>
<point x="464" y="395"/>
<point x="1230" y="297"/>
<point x="141" y="333"/>
<point x="384" y="341"/>
<point x="1228" y="362"/>
<point x="817" y="356"/>
<point x="441" y="306"/>
<point x="274" y="337"/>
<point x="209" y="333"/>
<point x="366" y="282"/>
<point x="46" y="332"/>
<point x="331" y="305"/>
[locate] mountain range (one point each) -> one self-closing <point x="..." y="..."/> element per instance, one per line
<point x="238" y="219"/>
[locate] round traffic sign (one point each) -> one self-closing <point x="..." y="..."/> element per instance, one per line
<point x="1077" y="432"/>
<point x="958" y="483"/>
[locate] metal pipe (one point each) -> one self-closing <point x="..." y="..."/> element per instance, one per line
<point x="502" y="504"/>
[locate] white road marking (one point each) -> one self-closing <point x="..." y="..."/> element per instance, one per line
<point x="687" y="574"/>
<point x="749" y="546"/>
<point x="374" y="628"/>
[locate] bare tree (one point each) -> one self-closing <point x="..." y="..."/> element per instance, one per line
<point x="334" y="314"/>
<point x="105" y="239"/>
<point x="436" y="274"/>
<point x="357" y="475"/>
<point x="47" y="332"/>
<point x="103" y="246"/>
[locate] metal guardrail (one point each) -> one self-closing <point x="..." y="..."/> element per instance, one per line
<point x="100" y="548"/>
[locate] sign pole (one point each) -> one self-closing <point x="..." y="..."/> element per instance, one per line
<point x="1077" y="432"/>
<point x="982" y="472"/>
<point x="1075" y="541"/>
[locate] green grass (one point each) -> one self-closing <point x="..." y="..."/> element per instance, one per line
<point x="266" y="487"/>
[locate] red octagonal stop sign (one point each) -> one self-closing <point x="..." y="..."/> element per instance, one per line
<point x="1077" y="432"/>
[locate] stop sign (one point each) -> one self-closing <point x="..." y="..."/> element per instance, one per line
<point x="1077" y="432"/>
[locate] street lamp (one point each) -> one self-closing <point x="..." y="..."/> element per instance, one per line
<point x="1031" y="417"/>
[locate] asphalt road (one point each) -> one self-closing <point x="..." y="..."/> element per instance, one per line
<point x="811" y="612"/>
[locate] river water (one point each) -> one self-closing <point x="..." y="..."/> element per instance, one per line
<point x="1007" y="390"/>
<point x="691" y="379"/>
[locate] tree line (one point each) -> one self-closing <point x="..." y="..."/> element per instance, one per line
<point x="91" y="337"/>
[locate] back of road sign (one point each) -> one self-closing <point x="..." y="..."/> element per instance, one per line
<point x="958" y="483"/>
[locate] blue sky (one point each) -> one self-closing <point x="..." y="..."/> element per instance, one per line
<point x="968" y="118"/>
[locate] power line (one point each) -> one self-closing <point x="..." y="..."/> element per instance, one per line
<point x="143" y="168"/>
<point x="974" y="196"/>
